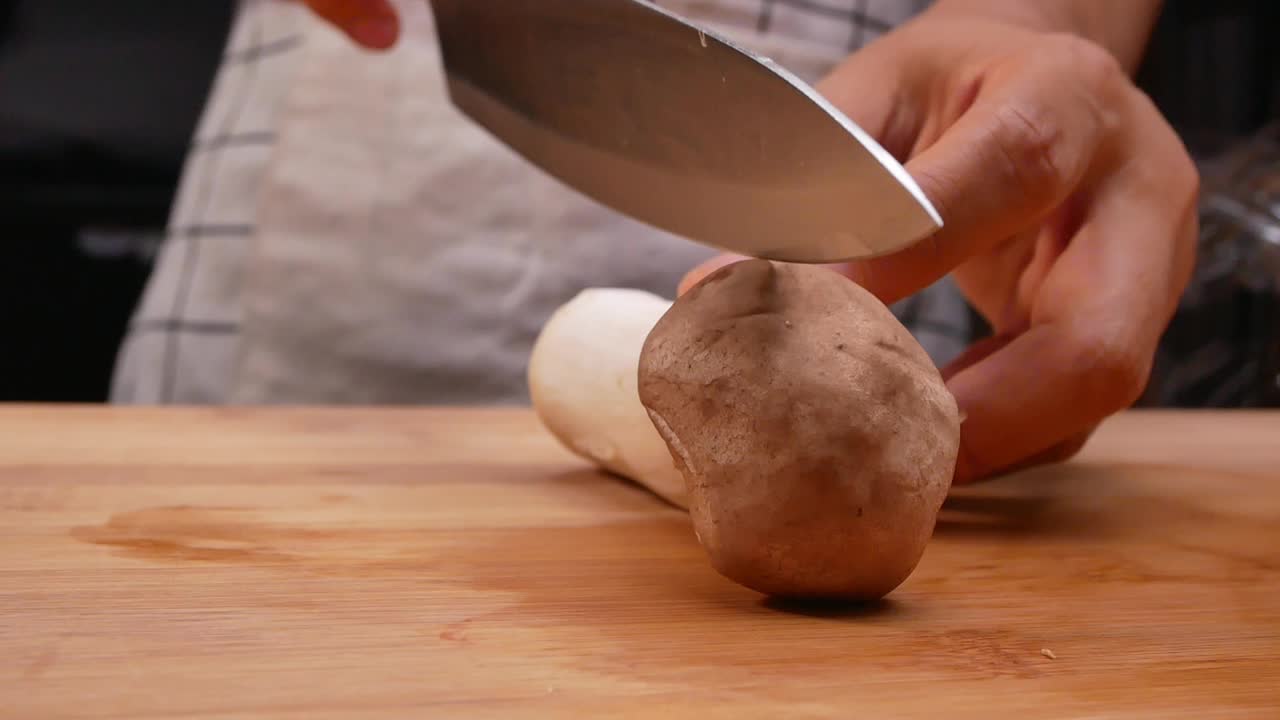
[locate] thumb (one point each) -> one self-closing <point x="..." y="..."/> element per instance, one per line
<point x="372" y="24"/>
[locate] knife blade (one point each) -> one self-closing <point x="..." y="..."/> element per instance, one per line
<point x="666" y="122"/>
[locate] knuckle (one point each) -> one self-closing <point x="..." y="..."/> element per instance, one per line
<point x="940" y="187"/>
<point x="1044" y="140"/>
<point x="1084" y="59"/>
<point x="1168" y="163"/>
<point x="1112" y="371"/>
<point x="1186" y="175"/>
<point x="1028" y="146"/>
<point x="1185" y="245"/>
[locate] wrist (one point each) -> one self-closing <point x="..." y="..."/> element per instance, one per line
<point x="1123" y="34"/>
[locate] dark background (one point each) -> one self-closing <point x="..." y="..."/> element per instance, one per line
<point x="98" y="100"/>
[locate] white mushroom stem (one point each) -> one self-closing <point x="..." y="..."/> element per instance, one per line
<point x="582" y="380"/>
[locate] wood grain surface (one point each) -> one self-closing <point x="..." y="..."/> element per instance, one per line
<point x="339" y="563"/>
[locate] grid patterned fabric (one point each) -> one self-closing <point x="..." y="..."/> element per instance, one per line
<point x="187" y="343"/>
<point x="182" y="342"/>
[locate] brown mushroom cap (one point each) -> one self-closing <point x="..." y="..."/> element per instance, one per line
<point x="816" y="438"/>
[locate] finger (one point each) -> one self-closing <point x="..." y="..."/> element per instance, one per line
<point x="977" y="352"/>
<point x="1061" y="452"/>
<point x="974" y="354"/>
<point x="371" y="24"/>
<point x="696" y="275"/>
<point x="1012" y="157"/>
<point x="1028" y="397"/>
<point x="1096" y="324"/>
<point x="879" y="92"/>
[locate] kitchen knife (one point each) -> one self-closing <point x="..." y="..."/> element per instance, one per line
<point x="677" y="127"/>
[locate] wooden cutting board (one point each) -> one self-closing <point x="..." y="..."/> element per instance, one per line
<point x="298" y="563"/>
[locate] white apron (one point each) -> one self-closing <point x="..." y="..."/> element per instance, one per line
<point x="342" y="234"/>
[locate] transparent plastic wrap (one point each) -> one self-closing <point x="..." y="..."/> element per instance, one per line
<point x="1222" y="349"/>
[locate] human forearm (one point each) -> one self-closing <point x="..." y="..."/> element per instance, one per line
<point x="1121" y="27"/>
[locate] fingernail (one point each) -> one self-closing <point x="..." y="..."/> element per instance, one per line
<point x="376" y="32"/>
